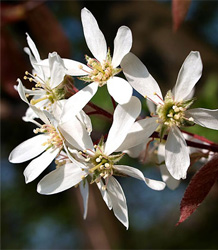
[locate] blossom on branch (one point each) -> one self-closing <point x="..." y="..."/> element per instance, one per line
<point x="172" y="112"/>
<point x="101" y="69"/>
<point x="98" y="163"/>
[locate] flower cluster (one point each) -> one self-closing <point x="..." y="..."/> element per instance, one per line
<point x="63" y="129"/>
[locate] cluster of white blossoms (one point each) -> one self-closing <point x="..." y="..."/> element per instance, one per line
<point x="63" y="129"/>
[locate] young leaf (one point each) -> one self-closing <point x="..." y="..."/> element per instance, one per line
<point x="179" y="11"/>
<point x="198" y="188"/>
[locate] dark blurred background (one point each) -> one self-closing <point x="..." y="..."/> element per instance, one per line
<point x="33" y="221"/>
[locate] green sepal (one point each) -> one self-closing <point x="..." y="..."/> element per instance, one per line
<point x="186" y="104"/>
<point x="115" y="158"/>
<point x="163" y="130"/>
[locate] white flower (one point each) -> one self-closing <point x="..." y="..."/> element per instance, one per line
<point x="98" y="162"/>
<point x="102" y="69"/>
<point x="57" y="110"/>
<point x="49" y="85"/>
<point x="45" y="147"/>
<point x="172" y="111"/>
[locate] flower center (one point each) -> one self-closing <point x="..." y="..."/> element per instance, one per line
<point x="102" y="166"/>
<point x="101" y="71"/>
<point x="51" y="95"/>
<point x="173" y="113"/>
<point x="54" y="137"/>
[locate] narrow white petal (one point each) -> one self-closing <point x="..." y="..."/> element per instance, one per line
<point x="151" y="106"/>
<point x="205" y="117"/>
<point x="122" y="45"/>
<point x="60" y="179"/>
<point x="188" y="76"/>
<point x="41" y="114"/>
<point x="28" y="149"/>
<point x="139" y="133"/>
<point x="57" y="69"/>
<point x="33" y="47"/>
<point x="136" y="173"/>
<point x="135" y="151"/>
<point x="118" y="200"/>
<point x="124" y="117"/>
<point x="155" y="185"/>
<point x="57" y="109"/>
<point x="176" y="154"/>
<point x="119" y="89"/>
<point x="94" y="37"/>
<point x="75" y="68"/>
<point x="76" y="134"/>
<point x="21" y="91"/>
<point x="139" y="77"/>
<point x="84" y="190"/>
<point x="168" y="179"/>
<point x="76" y="102"/>
<point x="105" y="195"/>
<point x="166" y="176"/>
<point x="39" y="164"/>
<point x="86" y="121"/>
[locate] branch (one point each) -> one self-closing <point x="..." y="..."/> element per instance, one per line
<point x="212" y="147"/>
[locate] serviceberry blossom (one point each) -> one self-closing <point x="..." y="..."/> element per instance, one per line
<point x="172" y="112"/>
<point x="44" y="147"/>
<point x="98" y="163"/>
<point x="101" y="69"/>
<point x="50" y="84"/>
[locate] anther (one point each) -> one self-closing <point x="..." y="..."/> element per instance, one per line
<point x="97" y="159"/>
<point x="107" y="165"/>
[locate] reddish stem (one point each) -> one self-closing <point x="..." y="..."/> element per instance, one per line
<point x="201" y="138"/>
<point x="212" y="147"/>
<point x="100" y="111"/>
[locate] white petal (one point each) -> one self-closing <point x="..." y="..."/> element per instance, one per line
<point x="119" y="89"/>
<point x="94" y="37"/>
<point x="60" y="179"/>
<point x="76" y="134"/>
<point x="176" y="154"/>
<point x="57" y="69"/>
<point x="139" y="77"/>
<point x="33" y="47"/>
<point x="86" y="121"/>
<point x="135" y="151"/>
<point x="188" y="76"/>
<point x="151" y="106"/>
<point x="139" y="133"/>
<point x="41" y="114"/>
<point x="136" y="173"/>
<point x="75" y="68"/>
<point x="205" y="117"/>
<point x="105" y="195"/>
<point x="57" y="109"/>
<point x="38" y="165"/>
<point x="30" y="116"/>
<point x="124" y="117"/>
<point x="76" y="102"/>
<point x="166" y="176"/>
<point x="122" y="45"/>
<point x="84" y="189"/>
<point x="21" y="91"/>
<point x="118" y="200"/>
<point x="28" y="149"/>
<point x="168" y="179"/>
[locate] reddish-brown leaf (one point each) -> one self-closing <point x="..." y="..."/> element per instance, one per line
<point x="198" y="188"/>
<point x="179" y="11"/>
